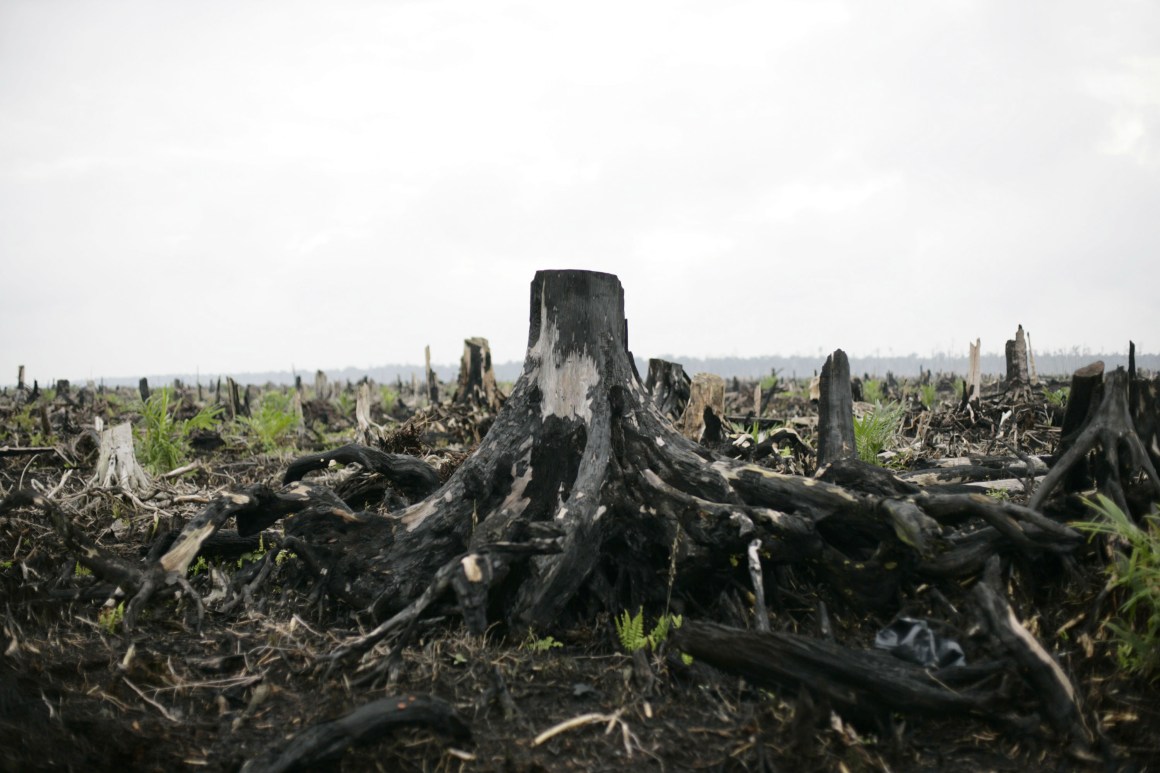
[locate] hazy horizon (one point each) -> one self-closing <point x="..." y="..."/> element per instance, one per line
<point x="1048" y="364"/>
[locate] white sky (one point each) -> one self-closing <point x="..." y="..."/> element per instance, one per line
<point x="244" y="186"/>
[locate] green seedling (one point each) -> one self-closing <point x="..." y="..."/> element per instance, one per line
<point x="110" y="618"/>
<point x="163" y="441"/>
<point x="630" y="630"/>
<point x="533" y="643"/>
<point x="272" y="423"/>
<point x="877" y="430"/>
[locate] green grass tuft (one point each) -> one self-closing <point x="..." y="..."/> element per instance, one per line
<point x="163" y="439"/>
<point x="273" y="422"/>
<point x="1137" y="575"/>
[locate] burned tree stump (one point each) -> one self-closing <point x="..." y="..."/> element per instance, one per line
<point x="580" y="455"/>
<point x="1016" y="352"/>
<point x="1110" y="426"/>
<point x="432" y="386"/>
<point x="669" y="386"/>
<point x="1083" y="395"/>
<point x="477" y="386"/>
<point x="117" y="463"/>
<point x="705" y="411"/>
<point x="835" y="411"/>
<point x="972" y="386"/>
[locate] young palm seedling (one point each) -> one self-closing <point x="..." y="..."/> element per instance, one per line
<point x="876" y="430"/>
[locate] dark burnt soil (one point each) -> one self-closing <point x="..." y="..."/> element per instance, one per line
<point x="77" y="692"/>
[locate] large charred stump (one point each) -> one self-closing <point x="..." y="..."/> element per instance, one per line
<point x="583" y="497"/>
<point x="1109" y="425"/>
<point x="581" y="453"/>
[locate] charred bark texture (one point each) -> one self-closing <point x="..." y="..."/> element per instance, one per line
<point x="669" y="386"/>
<point x="477" y="386"/>
<point x="1084" y="395"/>
<point x="835" y="411"/>
<point x="865" y="685"/>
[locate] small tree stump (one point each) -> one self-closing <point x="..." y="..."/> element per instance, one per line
<point x="835" y="411"/>
<point x="365" y="429"/>
<point x="477" y="386"/>
<point x="1016" y="354"/>
<point x="972" y="387"/>
<point x="705" y="411"/>
<point x="117" y="463"/>
<point x="669" y="386"/>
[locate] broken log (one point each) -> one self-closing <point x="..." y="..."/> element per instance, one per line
<point x="864" y="686"/>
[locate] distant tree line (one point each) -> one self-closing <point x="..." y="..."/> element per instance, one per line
<point x="799" y="366"/>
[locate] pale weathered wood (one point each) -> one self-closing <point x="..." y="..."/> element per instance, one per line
<point x="973" y="386"/>
<point x="365" y="430"/>
<point x="705" y="410"/>
<point x="1016" y="352"/>
<point x="477" y="385"/>
<point x="116" y="461"/>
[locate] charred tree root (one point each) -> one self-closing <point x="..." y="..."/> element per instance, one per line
<point x="413" y="477"/>
<point x="326" y="741"/>
<point x="1058" y="695"/>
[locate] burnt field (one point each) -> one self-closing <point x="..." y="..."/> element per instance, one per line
<point x="589" y="568"/>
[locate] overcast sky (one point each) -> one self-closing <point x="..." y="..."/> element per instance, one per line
<point x="244" y="186"/>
